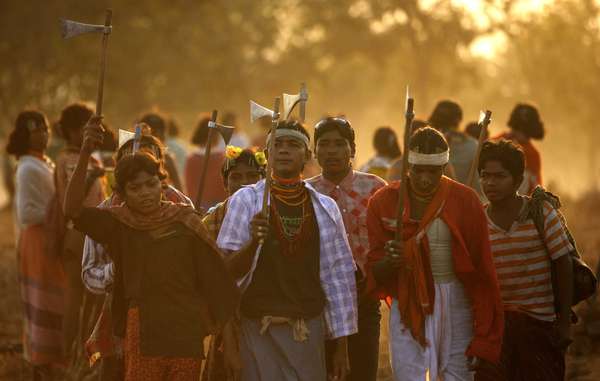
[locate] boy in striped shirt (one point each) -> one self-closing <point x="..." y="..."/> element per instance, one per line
<point x="536" y="332"/>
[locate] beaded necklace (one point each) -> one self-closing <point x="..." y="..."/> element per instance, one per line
<point x="291" y="231"/>
<point x="291" y="192"/>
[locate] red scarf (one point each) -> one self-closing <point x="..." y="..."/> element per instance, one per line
<point x="167" y="214"/>
<point x="415" y="280"/>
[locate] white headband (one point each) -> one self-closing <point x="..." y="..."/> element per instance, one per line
<point x="289" y="133"/>
<point x="436" y="159"/>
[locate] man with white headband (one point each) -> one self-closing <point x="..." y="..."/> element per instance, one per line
<point x="446" y="313"/>
<point x="295" y="269"/>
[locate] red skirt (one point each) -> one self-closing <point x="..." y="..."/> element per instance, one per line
<point x="42" y="283"/>
<point x="154" y="368"/>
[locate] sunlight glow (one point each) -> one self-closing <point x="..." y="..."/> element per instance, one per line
<point x="488" y="46"/>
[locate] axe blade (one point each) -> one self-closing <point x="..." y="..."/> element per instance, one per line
<point x="257" y="111"/>
<point x="225" y="131"/>
<point x="292" y="100"/>
<point x="289" y="102"/>
<point x="71" y="28"/>
<point x="125" y="136"/>
<point x="485" y="117"/>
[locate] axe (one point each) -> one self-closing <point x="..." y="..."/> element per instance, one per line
<point x="485" y="118"/>
<point x="290" y="101"/>
<point x="225" y="132"/>
<point x="257" y="111"/>
<point x="409" y="115"/>
<point x="74" y="28"/>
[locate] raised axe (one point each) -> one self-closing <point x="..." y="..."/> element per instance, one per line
<point x="485" y="118"/>
<point x="257" y="111"/>
<point x="74" y="28"/>
<point x="290" y="101"/>
<point x="409" y="116"/>
<point x="225" y="132"/>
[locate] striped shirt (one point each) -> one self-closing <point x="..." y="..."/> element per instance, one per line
<point x="523" y="263"/>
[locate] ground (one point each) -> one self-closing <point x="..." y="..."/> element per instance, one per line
<point x="583" y="359"/>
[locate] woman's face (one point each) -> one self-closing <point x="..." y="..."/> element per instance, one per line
<point x="143" y="193"/>
<point x="38" y="137"/>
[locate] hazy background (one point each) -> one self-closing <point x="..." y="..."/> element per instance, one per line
<point x="356" y="57"/>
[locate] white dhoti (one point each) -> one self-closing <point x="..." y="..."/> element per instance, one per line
<point x="448" y="330"/>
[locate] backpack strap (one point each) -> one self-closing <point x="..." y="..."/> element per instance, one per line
<point x="534" y="209"/>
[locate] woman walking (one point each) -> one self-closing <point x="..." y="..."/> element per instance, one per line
<point x="40" y="274"/>
<point x="171" y="286"/>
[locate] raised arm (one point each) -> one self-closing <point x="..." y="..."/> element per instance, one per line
<point x="75" y="193"/>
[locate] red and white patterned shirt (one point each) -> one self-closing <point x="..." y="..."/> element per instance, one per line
<point x="352" y="196"/>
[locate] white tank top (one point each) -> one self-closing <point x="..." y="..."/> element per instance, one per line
<point x="440" y="245"/>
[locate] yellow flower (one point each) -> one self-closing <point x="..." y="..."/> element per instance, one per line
<point x="232" y="152"/>
<point x="260" y="157"/>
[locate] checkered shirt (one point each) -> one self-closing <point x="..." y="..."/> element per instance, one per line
<point x="97" y="270"/>
<point x="352" y="196"/>
<point x="336" y="264"/>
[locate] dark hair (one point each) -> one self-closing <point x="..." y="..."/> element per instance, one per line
<point x="418" y="123"/>
<point x="446" y="115"/>
<point x="293" y="125"/>
<point x="145" y="141"/>
<point x="246" y="157"/>
<point x="526" y="118"/>
<point x="173" y="128"/>
<point x="200" y="136"/>
<point x="428" y="140"/>
<point x="74" y="117"/>
<point x="340" y="125"/>
<point x="157" y="122"/>
<point x="18" y="140"/>
<point x="473" y="129"/>
<point x="110" y="142"/>
<point x="385" y="142"/>
<point x="131" y="165"/>
<point x="507" y="153"/>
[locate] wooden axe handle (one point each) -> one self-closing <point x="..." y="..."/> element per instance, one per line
<point x="100" y="97"/>
<point x="207" y="150"/>
<point x="409" y="116"/>
<point x="483" y="128"/>
<point x="271" y="159"/>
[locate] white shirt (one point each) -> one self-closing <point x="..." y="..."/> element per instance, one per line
<point x="34" y="186"/>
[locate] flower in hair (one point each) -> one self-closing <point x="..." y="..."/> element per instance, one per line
<point x="260" y="157"/>
<point x="232" y="152"/>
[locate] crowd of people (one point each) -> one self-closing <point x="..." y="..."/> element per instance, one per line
<point x="285" y="272"/>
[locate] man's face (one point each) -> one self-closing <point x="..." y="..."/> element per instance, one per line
<point x="290" y="156"/>
<point x="425" y="178"/>
<point x="242" y="174"/>
<point x="333" y="152"/>
<point x="497" y="182"/>
<point x="143" y="193"/>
